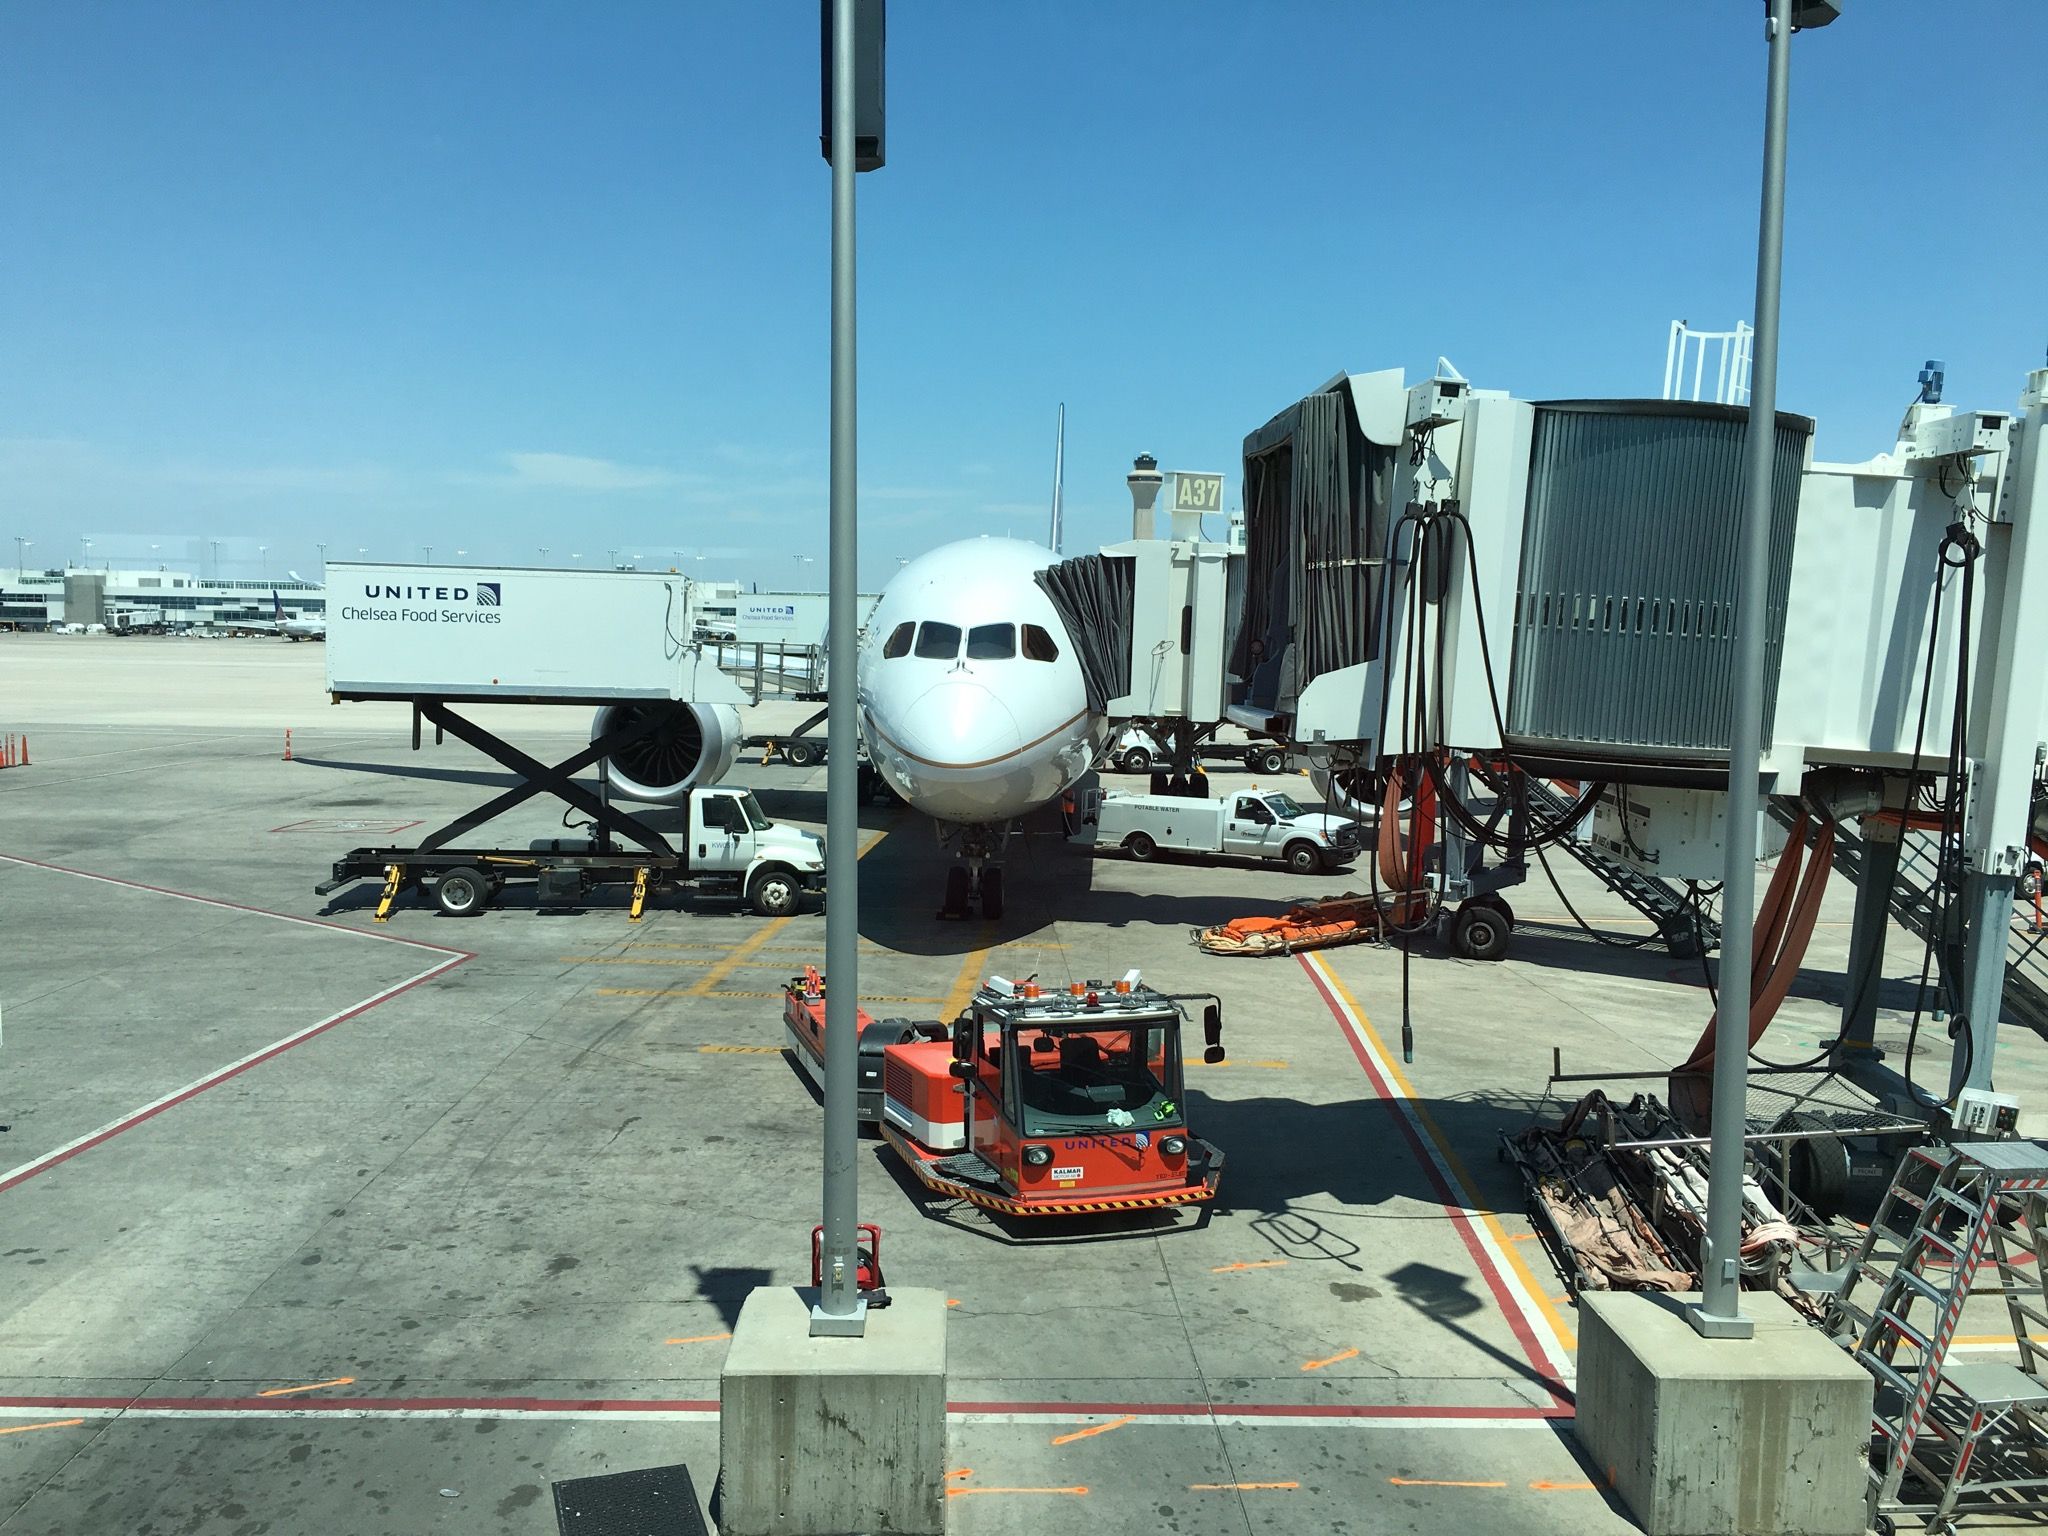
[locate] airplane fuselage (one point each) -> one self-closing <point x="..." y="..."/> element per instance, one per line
<point x="972" y="703"/>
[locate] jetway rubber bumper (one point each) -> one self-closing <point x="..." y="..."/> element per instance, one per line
<point x="929" y="1173"/>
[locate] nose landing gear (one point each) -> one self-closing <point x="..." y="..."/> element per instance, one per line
<point x="975" y="879"/>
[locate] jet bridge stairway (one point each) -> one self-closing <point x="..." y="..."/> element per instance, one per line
<point x="1913" y="906"/>
<point x="1663" y="902"/>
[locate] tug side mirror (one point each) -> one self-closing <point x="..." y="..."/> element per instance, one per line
<point x="1212" y="1034"/>
<point x="963" y="1047"/>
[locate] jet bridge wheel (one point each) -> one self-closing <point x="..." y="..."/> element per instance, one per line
<point x="1480" y="931"/>
<point x="462" y="891"/>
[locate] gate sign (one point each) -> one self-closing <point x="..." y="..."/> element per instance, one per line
<point x="1197" y="493"/>
<point x="767" y="613"/>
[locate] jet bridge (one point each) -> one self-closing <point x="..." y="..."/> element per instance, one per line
<point x="1436" y="574"/>
<point x="1149" y="618"/>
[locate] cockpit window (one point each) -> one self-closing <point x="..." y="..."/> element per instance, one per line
<point x="938" y="642"/>
<point x="991" y="642"/>
<point x="898" y="643"/>
<point x="1038" y="645"/>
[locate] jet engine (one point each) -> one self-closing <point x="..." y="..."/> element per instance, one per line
<point x="691" y="744"/>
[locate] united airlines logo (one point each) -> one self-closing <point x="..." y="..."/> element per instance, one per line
<point x="487" y="593"/>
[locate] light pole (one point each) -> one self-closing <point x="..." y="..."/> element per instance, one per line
<point x="263" y="561"/>
<point x="20" y="559"/>
<point x="428" y="551"/>
<point x="543" y="551"/>
<point x="214" y="545"/>
<point x="323" y="559"/>
<point x="88" y="552"/>
<point x="1718" y="1314"/>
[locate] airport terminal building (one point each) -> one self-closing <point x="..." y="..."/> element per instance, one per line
<point x="120" y="599"/>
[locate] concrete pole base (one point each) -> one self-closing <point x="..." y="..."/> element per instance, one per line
<point x="1765" y="1436"/>
<point x="822" y="1436"/>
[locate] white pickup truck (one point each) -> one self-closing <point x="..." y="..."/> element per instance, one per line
<point x="1250" y="824"/>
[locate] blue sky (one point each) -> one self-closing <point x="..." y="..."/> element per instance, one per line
<point x="509" y="277"/>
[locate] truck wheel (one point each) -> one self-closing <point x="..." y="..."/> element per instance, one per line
<point x="774" y="893"/>
<point x="1141" y="847"/>
<point x="1266" y="760"/>
<point x="800" y="754"/>
<point x="992" y="894"/>
<point x="462" y="891"/>
<point x="1304" y="858"/>
<point x="1479" y="933"/>
<point x="1137" y="760"/>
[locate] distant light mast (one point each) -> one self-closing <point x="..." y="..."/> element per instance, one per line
<point x="1059" y="465"/>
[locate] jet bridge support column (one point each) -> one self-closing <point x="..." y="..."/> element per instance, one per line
<point x="1864" y="977"/>
<point x="2001" y="800"/>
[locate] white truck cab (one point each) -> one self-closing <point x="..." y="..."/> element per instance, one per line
<point x="730" y="835"/>
<point x="1256" y="824"/>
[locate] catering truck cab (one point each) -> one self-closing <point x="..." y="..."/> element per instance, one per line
<point x="1251" y="824"/>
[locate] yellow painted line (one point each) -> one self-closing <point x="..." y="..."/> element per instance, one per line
<point x="699" y="1338"/>
<point x="1439" y="1482"/>
<point x="739" y="1050"/>
<point x="1235" y="1487"/>
<point x="1342" y="1354"/>
<point x="740" y="955"/>
<point x="1543" y="1485"/>
<point x="1273" y="1066"/>
<point x="1095" y="1429"/>
<point x="311" y="1386"/>
<point x="970" y="975"/>
<point x="1225" y="1269"/>
<point x="22" y="1429"/>
<point x="637" y="960"/>
<point x="871" y="844"/>
<point x="1566" y="1335"/>
<point x="958" y="1493"/>
<point x="1996" y="1338"/>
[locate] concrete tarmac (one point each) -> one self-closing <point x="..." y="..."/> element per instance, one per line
<point x="316" y="1224"/>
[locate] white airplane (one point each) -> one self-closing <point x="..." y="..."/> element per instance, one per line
<point x="295" y="629"/>
<point x="972" y="704"/>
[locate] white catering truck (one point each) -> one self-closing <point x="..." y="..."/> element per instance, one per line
<point x="1253" y="824"/>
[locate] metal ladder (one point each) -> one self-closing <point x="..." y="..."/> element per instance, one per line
<point x="1964" y="1429"/>
<point x="1661" y="901"/>
<point x="1912" y="904"/>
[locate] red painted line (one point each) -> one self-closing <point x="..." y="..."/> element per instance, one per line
<point x="701" y="1405"/>
<point x="214" y="1080"/>
<point x="1517" y="1324"/>
<point x="1269" y="1410"/>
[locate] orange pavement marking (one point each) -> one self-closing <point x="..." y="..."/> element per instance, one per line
<point x="699" y="1338"/>
<point x="1224" y="1269"/>
<point x="1436" y="1482"/>
<point x="956" y="1493"/>
<point x="1216" y="1487"/>
<point x="1317" y="1365"/>
<point x="22" y="1429"/>
<point x="952" y="1301"/>
<point x="311" y="1386"/>
<point x="1095" y="1429"/>
<point x="1543" y="1486"/>
<point x="961" y="1472"/>
<point x="1523" y="1237"/>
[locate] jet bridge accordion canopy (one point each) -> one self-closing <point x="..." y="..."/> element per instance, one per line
<point x="1094" y="596"/>
<point x="1624" y="624"/>
<point x="1318" y="506"/>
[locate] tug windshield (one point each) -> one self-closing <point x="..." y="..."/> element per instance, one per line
<point x="1096" y="1080"/>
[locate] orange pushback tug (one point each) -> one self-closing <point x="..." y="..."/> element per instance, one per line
<point x="1034" y="1103"/>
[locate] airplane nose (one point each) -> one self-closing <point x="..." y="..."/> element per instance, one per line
<point x="959" y="725"/>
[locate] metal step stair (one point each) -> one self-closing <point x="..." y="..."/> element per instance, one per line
<point x="1661" y="901"/>
<point x="1971" y="1434"/>
<point x="1913" y="906"/>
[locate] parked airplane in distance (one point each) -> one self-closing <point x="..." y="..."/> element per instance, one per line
<point x="295" y="629"/>
<point x="972" y="703"/>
